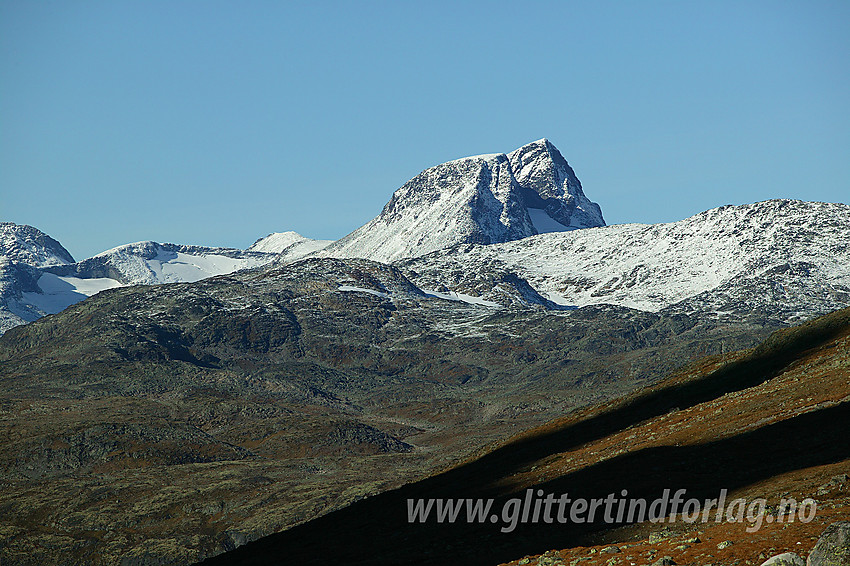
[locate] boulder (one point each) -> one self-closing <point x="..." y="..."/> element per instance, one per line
<point x="784" y="559"/>
<point x="833" y="547"/>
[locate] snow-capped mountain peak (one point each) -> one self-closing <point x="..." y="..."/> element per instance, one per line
<point x="28" y="291"/>
<point x="38" y="276"/>
<point x="149" y="263"/>
<point x="26" y="245"/>
<point x="24" y="251"/>
<point x="289" y="245"/>
<point x="483" y="199"/>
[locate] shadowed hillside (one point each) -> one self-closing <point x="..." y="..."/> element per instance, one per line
<point x="764" y="422"/>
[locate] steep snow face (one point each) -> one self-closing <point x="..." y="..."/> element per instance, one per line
<point x="550" y="184"/>
<point x="477" y="200"/>
<point x="20" y="243"/>
<point x="780" y="258"/>
<point x="290" y="246"/>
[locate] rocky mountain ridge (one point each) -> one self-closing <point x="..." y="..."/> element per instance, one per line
<point x="784" y="259"/>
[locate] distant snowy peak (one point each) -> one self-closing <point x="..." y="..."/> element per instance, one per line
<point x="24" y="244"/>
<point x="276" y="242"/>
<point x="290" y="246"/>
<point x="38" y="276"/>
<point x="150" y="263"/>
<point x="28" y="292"/>
<point x="24" y="251"/>
<point x="484" y="199"/>
<point x="467" y="200"/>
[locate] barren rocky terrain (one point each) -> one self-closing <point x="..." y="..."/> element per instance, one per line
<point x="164" y="424"/>
<point x="768" y="422"/>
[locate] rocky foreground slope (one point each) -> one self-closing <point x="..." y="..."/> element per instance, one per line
<point x="767" y="423"/>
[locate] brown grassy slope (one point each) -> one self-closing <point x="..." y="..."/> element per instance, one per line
<point x="764" y="422"/>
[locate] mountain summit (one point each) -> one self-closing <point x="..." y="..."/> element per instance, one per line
<point x="548" y="183"/>
<point x="26" y="245"/>
<point x="484" y="199"/>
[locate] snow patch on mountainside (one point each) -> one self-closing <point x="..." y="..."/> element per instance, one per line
<point x="58" y="293"/>
<point x="461" y="297"/>
<point x="544" y="223"/>
<point x="352" y="288"/>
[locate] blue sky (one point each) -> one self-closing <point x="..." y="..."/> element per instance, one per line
<point x="216" y="123"/>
